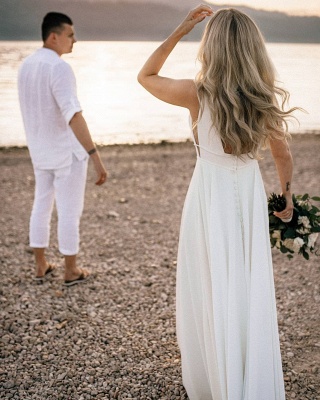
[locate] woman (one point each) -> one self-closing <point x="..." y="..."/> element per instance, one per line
<point x="226" y="312"/>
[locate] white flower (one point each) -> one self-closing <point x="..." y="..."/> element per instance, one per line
<point x="294" y="244"/>
<point x="288" y="243"/>
<point x="303" y="231"/>
<point x="297" y="244"/>
<point x="304" y="221"/>
<point x="276" y="234"/>
<point x="312" y="239"/>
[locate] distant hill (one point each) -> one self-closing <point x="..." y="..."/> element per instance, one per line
<point x="138" y="20"/>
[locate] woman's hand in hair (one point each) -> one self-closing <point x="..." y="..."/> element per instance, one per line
<point x="180" y="92"/>
<point x="195" y="16"/>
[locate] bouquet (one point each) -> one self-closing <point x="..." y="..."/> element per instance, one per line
<point x="300" y="234"/>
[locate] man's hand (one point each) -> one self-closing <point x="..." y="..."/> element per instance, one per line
<point x="81" y="131"/>
<point x="100" y="169"/>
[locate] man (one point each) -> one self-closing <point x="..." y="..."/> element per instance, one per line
<point x="59" y="143"/>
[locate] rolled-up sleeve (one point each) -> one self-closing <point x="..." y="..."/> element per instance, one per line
<point x="65" y="91"/>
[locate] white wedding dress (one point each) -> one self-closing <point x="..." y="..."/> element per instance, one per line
<point x="226" y="312"/>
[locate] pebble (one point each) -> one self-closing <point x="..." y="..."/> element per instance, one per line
<point x="9" y="384"/>
<point x="113" y="214"/>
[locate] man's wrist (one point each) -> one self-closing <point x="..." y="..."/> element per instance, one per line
<point x="92" y="151"/>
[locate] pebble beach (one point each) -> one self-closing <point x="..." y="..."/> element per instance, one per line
<point x="113" y="337"/>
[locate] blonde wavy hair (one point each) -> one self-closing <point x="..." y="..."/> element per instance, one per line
<point x="237" y="81"/>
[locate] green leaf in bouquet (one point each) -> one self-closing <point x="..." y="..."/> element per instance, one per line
<point x="304" y="213"/>
<point x="315" y="198"/>
<point x="289" y="234"/>
<point x="305" y="197"/>
<point x="298" y="209"/>
<point x="283" y="249"/>
<point x="273" y="241"/>
<point x="305" y="254"/>
<point x="273" y="219"/>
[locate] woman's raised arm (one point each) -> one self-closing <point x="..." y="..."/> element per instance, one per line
<point x="179" y="92"/>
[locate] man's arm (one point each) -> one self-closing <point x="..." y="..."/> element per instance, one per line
<point x="80" y="129"/>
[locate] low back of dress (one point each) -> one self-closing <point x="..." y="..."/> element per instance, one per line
<point x="209" y="146"/>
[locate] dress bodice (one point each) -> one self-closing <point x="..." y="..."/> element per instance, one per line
<point x="209" y="146"/>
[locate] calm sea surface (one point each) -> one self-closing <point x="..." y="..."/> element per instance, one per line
<point x="118" y="110"/>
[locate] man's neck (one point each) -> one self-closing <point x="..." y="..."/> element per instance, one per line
<point x="47" y="46"/>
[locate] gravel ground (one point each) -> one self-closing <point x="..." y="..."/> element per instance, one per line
<point x="114" y="337"/>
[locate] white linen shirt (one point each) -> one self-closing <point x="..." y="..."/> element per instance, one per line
<point x="48" y="101"/>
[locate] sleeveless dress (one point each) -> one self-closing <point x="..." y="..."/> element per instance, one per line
<point x="226" y="311"/>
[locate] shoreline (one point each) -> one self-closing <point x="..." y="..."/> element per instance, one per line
<point x="306" y="135"/>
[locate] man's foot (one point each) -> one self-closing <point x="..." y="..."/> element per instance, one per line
<point x="47" y="273"/>
<point x="83" y="277"/>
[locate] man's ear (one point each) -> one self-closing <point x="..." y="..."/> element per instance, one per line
<point x="52" y="38"/>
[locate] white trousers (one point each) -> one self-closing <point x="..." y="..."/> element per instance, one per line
<point x="65" y="186"/>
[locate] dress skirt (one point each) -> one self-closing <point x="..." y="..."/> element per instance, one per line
<point x="226" y="311"/>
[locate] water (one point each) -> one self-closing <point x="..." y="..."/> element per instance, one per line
<point x="119" y="110"/>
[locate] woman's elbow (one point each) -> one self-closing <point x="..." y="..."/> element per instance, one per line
<point x="284" y="156"/>
<point x="280" y="149"/>
<point x="141" y="78"/>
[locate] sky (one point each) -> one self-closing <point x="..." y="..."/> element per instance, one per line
<point x="296" y="7"/>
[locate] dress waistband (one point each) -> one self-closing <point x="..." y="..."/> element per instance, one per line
<point x="227" y="160"/>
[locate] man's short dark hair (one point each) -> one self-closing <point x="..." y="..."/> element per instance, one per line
<point x="53" y="22"/>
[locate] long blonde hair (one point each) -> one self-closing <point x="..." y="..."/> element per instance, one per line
<point x="237" y="81"/>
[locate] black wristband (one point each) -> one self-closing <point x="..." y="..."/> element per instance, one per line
<point x="92" y="151"/>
